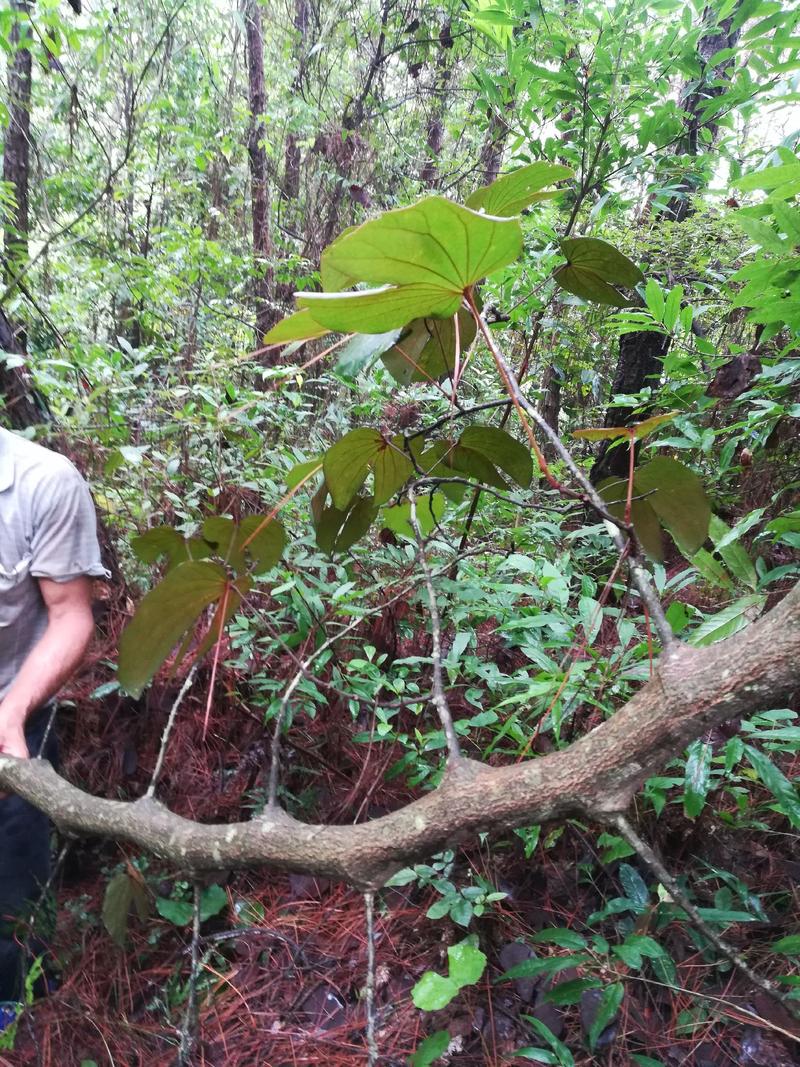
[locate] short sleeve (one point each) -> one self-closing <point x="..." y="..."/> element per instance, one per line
<point x="64" y="543"/>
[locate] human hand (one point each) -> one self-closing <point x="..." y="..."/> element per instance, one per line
<point x="12" y="736"/>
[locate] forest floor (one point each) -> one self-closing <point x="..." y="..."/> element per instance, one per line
<point x="284" y="963"/>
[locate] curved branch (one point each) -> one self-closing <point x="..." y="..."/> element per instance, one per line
<point x="691" y="690"/>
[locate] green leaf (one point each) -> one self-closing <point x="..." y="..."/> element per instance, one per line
<point x="678" y="499"/>
<point x="789" y="946"/>
<point x="301" y="471"/>
<point x="562" y="937"/>
<point x="511" y="193"/>
<point x="533" y="968"/>
<point x="730" y="620"/>
<point x="633" y="884"/>
<point x="347" y="463"/>
<point x="761" y="233"/>
<point x="299" y="326"/>
<point x="710" y="569"/>
<point x="163" y="617"/>
<point x="697" y="778"/>
<point x="645" y="522"/>
<point x="334" y="280"/>
<point x="177" y="912"/>
<point x="607" y="1009"/>
<point x="594" y="268"/>
<point x="466" y="962"/>
<point x="359" y="519"/>
<point x="429" y="508"/>
<point x="379" y="310"/>
<point x="733" y="553"/>
<point x="433" y="991"/>
<point x="426" y="350"/>
<point x="361" y="350"/>
<point x="636" y="430"/>
<point x="570" y="992"/>
<point x="500" y="449"/>
<point x="121" y="893"/>
<point x="564" y="1056"/>
<point x="165" y="541"/>
<point x="436" y="243"/>
<point x="770" y="177"/>
<point x="431" y="1049"/>
<point x="213" y="899"/>
<point x="392" y="469"/>
<point x="786" y="794"/>
<point x="257" y="538"/>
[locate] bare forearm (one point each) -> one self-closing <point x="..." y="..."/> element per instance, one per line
<point x="50" y="663"/>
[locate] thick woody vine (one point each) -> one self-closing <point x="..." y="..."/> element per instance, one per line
<point x="423" y="317"/>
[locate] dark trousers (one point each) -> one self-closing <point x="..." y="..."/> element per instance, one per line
<point x="24" y="862"/>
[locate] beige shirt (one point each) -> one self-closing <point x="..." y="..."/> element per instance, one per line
<point x="48" y="529"/>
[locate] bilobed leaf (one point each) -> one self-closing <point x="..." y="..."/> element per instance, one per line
<point x="392" y="469"/>
<point x="502" y="450"/>
<point x="163" y="617"/>
<point x="299" y="326"/>
<point x="236" y="544"/>
<point x="359" y="519"/>
<point x="677" y="497"/>
<point x="165" y="541"/>
<point x="594" y="268"/>
<point x="436" y="242"/>
<point x="429" y="509"/>
<point x="327" y="526"/>
<point x="425" y="351"/>
<point x="379" y="310"/>
<point x="697" y="778"/>
<point x="347" y="463"/>
<point x="614" y="492"/>
<point x="511" y="193"/>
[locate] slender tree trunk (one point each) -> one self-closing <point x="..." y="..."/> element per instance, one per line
<point x="259" y="189"/>
<point x="290" y="187"/>
<point x="494" y="143"/>
<point x="16" y="152"/>
<point x="434" y="137"/>
<point x="641" y="354"/>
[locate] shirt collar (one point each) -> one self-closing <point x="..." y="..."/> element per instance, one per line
<point x="6" y="460"/>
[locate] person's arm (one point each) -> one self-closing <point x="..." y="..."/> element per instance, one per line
<point x="52" y="660"/>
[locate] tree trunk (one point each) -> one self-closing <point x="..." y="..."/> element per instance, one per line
<point x="641" y="354"/>
<point x="494" y="143"/>
<point x="259" y="190"/>
<point x="434" y="137"/>
<point x="16" y="153"/>
<point x="290" y="187"/>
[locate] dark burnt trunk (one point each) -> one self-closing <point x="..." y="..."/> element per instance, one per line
<point x="259" y="189"/>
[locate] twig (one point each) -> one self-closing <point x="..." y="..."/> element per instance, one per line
<point x="372" y="1044"/>
<point x="439" y="698"/>
<point x="190" y="1020"/>
<point x="173" y="711"/>
<point x="648" y="857"/>
<point x="638" y="572"/>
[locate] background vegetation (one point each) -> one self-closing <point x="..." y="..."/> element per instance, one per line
<point x="172" y="175"/>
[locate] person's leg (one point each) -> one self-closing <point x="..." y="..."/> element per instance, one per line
<point x="24" y="862"/>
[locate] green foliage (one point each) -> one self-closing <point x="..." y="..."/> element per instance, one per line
<point x="466" y="964"/>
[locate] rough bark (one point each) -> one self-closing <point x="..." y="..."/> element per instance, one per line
<point x="21" y="405"/>
<point x="691" y="690"/>
<point x="290" y="187"/>
<point x="550" y="403"/>
<point x="259" y="188"/>
<point x="16" y="150"/>
<point x="434" y="133"/>
<point x="639" y="364"/>
<point x="640" y="354"/>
